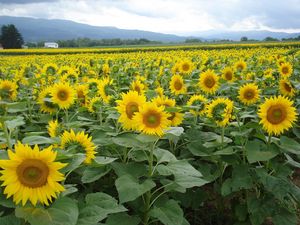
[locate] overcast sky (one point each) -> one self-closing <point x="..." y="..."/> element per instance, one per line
<point x="167" y="16"/>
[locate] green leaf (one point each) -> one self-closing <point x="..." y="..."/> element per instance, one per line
<point x="98" y="206"/>
<point x="102" y="160"/>
<point x="92" y="174"/>
<point x="289" y="145"/>
<point x="163" y="155"/>
<point x="12" y="124"/>
<point x="37" y="140"/>
<point x="144" y="138"/>
<point x="129" y="188"/>
<point x="169" y="213"/>
<point x="74" y="162"/>
<point x="16" y="107"/>
<point x="258" y="151"/>
<point x="284" y="217"/>
<point x="10" y="220"/>
<point x="127" y="140"/>
<point x="64" y="211"/>
<point x="35" y="216"/>
<point x="122" y="218"/>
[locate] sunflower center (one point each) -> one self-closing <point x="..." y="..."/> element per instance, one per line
<point x="276" y="114"/>
<point x="209" y="82"/>
<point x="178" y="85"/>
<point x="287" y="87"/>
<point x="6" y="91"/>
<point x="285" y="70"/>
<point x="172" y="116"/>
<point x="137" y="89"/>
<point x="62" y="95"/>
<point x="248" y="94"/>
<point x="185" y="67"/>
<point x="131" y="108"/>
<point x="240" y="66"/>
<point x="151" y="119"/>
<point x="228" y="75"/>
<point x="33" y="173"/>
<point x="80" y="94"/>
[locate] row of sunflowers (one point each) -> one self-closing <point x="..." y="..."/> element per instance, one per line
<point x="154" y="137"/>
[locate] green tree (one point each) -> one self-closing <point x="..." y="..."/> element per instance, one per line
<point x="244" y="39"/>
<point x="11" y="37"/>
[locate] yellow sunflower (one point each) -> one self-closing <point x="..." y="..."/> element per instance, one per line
<point x="151" y="119"/>
<point x="50" y="69"/>
<point x="285" y="69"/>
<point x="220" y="110"/>
<point x="249" y="94"/>
<point x="128" y="106"/>
<point x="82" y="93"/>
<point x="63" y="95"/>
<point x="286" y="88"/>
<point x="44" y="100"/>
<point x="186" y="66"/>
<point x="53" y="128"/>
<point x="277" y="114"/>
<point x="240" y="65"/>
<point x="177" y="85"/>
<point x="209" y="82"/>
<point x="31" y="174"/>
<point x="80" y="140"/>
<point x="228" y="74"/>
<point x="160" y="91"/>
<point x="8" y="90"/>
<point x="198" y="101"/>
<point x="138" y="86"/>
<point x="106" y="89"/>
<point x="175" y="117"/>
<point x="93" y="103"/>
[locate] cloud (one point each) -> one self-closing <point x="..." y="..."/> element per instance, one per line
<point x="167" y="16"/>
<point x="23" y="1"/>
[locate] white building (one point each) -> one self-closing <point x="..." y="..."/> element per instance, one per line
<point x="51" y="45"/>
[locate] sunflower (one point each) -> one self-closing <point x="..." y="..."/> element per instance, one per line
<point x="285" y="69"/>
<point x="240" y="65"/>
<point x="176" y="68"/>
<point x="198" y="101"/>
<point x="209" y="82"/>
<point x="63" y="95"/>
<point x="82" y="92"/>
<point x="92" y="104"/>
<point x="249" y="94"/>
<point x="44" y="100"/>
<point x="277" y="114"/>
<point x="31" y="174"/>
<point x="175" y="117"/>
<point x="228" y="74"/>
<point x="160" y="91"/>
<point x="186" y="66"/>
<point x="220" y="110"/>
<point x="286" y="88"/>
<point x="53" y="128"/>
<point x="50" y="69"/>
<point x="81" y="141"/>
<point x="177" y="85"/>
<point x="128" y="106"/>
<point x="138" y="86"/>
<point x="8" y="89"/>
<point x="151" y="119"/>
<point x="106" y="89"/>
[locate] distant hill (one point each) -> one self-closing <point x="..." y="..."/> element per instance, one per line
<point x="51" y="30"/>
<point x="236" y="35"/>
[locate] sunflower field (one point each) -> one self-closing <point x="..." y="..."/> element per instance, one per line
<point x="151" y="136"/>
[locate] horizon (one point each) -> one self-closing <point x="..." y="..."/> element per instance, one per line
<point x="165" y="16"/>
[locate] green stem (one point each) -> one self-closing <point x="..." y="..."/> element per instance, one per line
<point x="222" y="137"/>
<point x="148" y="196"/>
<point x="7" y="136"/>
<point x="269" y="140"/>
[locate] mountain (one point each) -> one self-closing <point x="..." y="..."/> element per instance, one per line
<point x="236" y="35"/>
<point x="51" y="30"/>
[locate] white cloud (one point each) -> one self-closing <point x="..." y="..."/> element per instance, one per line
<point x="168" y="16"/>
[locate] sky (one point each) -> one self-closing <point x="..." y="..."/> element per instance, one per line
<point x="183" y="17"/>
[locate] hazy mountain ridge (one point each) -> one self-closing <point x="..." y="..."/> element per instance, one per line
<point x="51" y="30"/>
